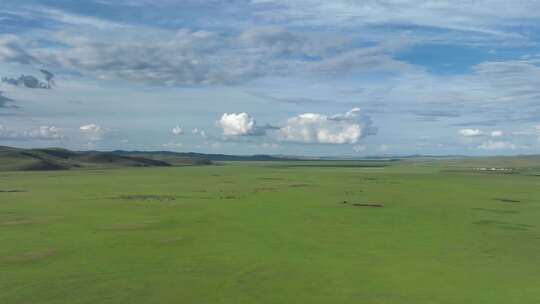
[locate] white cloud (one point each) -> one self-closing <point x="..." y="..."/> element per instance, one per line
<point x="200" y="132"/>
<point x="497" y="145"/>
<point x="497" y="133"/>
<point x="237" y="124"/>
<point x="471" y="132"/>
<point x="50" y="132"/>
<point x="346" y="128"/>
<point x="40" y="133"/>
<point x="90" y="128"/>
<point x="177" y="130"/>
<point x="92" y="132"/>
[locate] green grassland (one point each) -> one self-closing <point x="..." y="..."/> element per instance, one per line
<point x="412" y="231"/>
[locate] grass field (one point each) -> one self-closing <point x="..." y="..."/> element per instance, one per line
<point x="306" y="232"/>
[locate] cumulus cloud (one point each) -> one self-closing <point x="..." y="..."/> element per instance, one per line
<point x="237" y="124"/>
<point x="497" y="145"/>
<point x="92" y="132"/>
<point x="471" y="132"/>
<point x="346" y="128"/>
<point x="177" y="130"/>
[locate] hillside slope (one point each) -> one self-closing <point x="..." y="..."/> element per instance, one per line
<point x="15" y="159"/>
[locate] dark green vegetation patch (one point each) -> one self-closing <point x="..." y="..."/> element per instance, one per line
<point x="146" y="197"/>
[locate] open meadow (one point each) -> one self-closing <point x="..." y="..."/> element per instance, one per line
<point x="274" y="232"/>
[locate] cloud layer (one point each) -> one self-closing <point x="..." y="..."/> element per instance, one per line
<point x="437" y="77"/>
<point x="347" y="128"/>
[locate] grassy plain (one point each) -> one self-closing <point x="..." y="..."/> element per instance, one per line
<point x="273" y="232"/>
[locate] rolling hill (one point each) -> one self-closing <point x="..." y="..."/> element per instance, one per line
<point x="18" y="159"/>
<point x="15" y="159"/>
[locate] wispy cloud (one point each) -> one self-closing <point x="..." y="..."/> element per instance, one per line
<point x="14" y="49"/>
<point x="187" y="57"/>
<point x="423" y="70"/>
<point x="474" y="16"/>
<point x="497" y="145"/>
<point x="5" y="102"/>
<point x="40" y="133"/>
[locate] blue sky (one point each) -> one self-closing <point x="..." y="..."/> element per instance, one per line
<point x="297" y="77"/>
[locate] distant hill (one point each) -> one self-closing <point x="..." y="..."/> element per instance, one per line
<point x="163" y="155"/>
<point x="17" y="159"/>
<point x="14" y="159"/>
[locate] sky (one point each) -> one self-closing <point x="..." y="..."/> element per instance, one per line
<point x="295" y="77"/>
